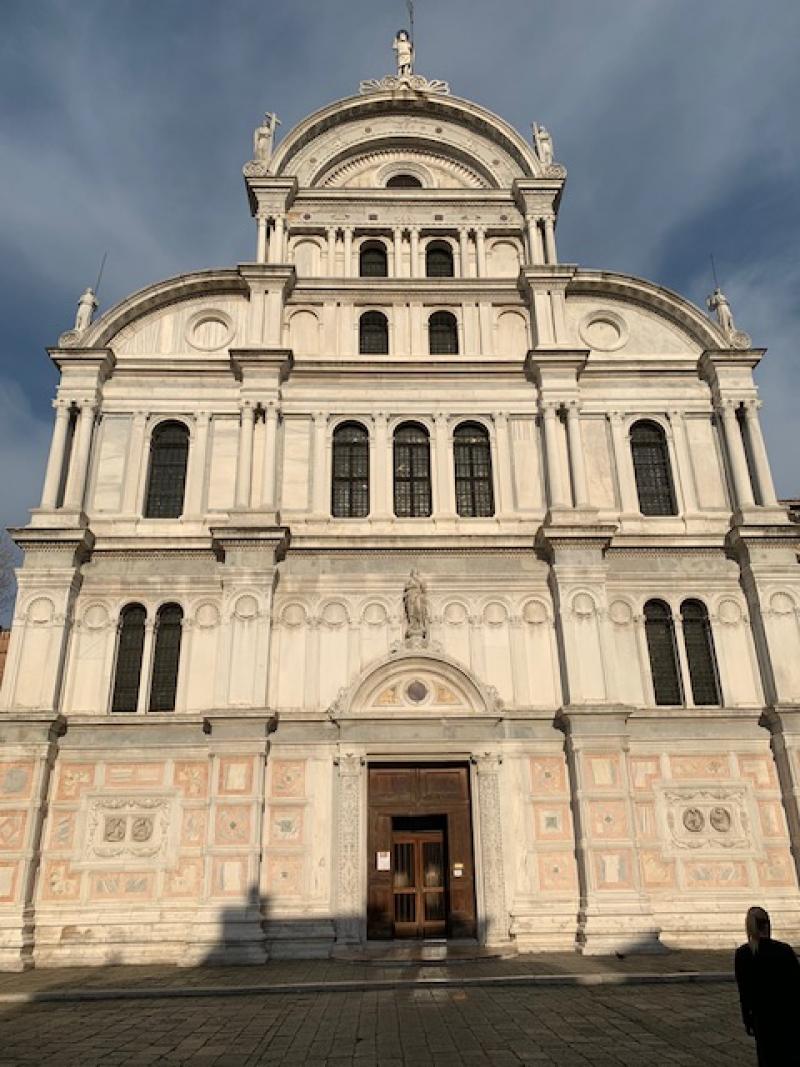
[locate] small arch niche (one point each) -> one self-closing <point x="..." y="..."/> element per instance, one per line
<point x="403" y="181"/>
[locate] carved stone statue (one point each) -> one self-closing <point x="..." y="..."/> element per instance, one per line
<point x="543" y="143"/>
<point x="86" y="309"/>
<point x="718" y="303"/>
<point x="264" y="137"/>
<point x="415" y="605"/>
<point x="404" y="51"/>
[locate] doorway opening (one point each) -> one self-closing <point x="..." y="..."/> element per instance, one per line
<point x="419" y="865"/>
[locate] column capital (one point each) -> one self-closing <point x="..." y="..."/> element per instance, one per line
<point x="441" y="418"/>
<point x="486" y="763"/>
<point x="752" y="405"/>
<point x="61" y="404"/>
<point x="573" y="407"/>
<point x="500" y="418"/>
<point x="247" y="407"/>
<point x="615" y="417"/>
<point x="201" y="416"/>
<point x="321" y="418"/>
<point x="550" y="407"/>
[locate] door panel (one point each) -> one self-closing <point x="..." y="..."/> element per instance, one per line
<point x="418" y="884"/>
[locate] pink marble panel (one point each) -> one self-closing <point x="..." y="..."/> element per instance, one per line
<point x="288" y="778"/>
<point x="186" y="879"/>
<point x="125" y="775"/>
<point x="191" y="777"/>
<point x="9" y="876"/>
<point x="548" y="775"/>
<point x="229" y="876"/>
<point x="646" y="820"/>
<point x="193" y="828"/>
<point x="557" y="871"/>
<point x="61" y="830"/>
<point x="720" y="874"/>
<point x="613" y="870"/>
<point x="644" y="770"/>
<point x="772" y="818"/>
<point x="12" y="829"/>
<point x="711" y="766"/>
<point x="608" y="819"/>
<point x="59" y="882"/>
<point x="760" y="770"/>
<point x="602" y="770"/>
<point x="74" y="779"/>
<point x="235" y="775"/>
<point x="286" y="825"/>
<point x="285" y="874"/>
<point x="777" y="869"/>
<point x="657" y="873"/>
<point x="232" y="824"/>
<point x="16" y="779"/>
<point x="121" y="885"/>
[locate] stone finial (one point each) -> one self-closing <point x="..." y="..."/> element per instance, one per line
<point x="720" y="305"/>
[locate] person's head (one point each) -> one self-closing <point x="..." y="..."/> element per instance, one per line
<point x="402" y="35"/>
<point x="757" y="926"/>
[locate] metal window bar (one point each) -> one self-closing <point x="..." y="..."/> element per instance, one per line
<point x="651" y="470"/>
<point x="473" y="471"/>
<point x="128" y="671"/>
<point x="699" y="642"/>
<point x="169" y="452"/>
<point x="373" y="334"/>
<point x="166" y="658"/>
<point x="442" y="334"/>
<point x="412" y="473"/>
<point x="350" y="490"/>
<point x="663" y="652"/>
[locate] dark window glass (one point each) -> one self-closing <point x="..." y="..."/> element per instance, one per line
<point x="373" y="334"/>
<point x="404" y="181"/>
<point x="473" y="470"/>
<point x="442" y="334"/>
<point x="651" y="467"/>
<point x="372" y="260"/>
<point x="166" y="658"/>
<point x="169" y="451"/>
<point x="350" y="490"/>
<point x="699" y="642"/>
<point x="412" y="471"/>
<point x="663" y="652"/>
<point x="129" y="658"/>
<point x="439" y="260"/>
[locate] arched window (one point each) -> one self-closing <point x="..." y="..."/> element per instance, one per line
<point x="130" y="646"/>
<point x="169" y="451"/>
<point x="412" y="471"/>
<point x="699" y="643"/>
<point x="372" y="260"/>
<point x="403" y="181"/>
<point x="439" y="260"/>
<point x="442" y="334"/>
<point x="350" y="488"/>
<point x="473" y="470"/>
<point x="663" y="653"/>
<point x="164" y="682"/>
<point x="651" y="468"/>
<point x="373" y="334"/>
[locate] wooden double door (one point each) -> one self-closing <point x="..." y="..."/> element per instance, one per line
<point x="421" y="874"/>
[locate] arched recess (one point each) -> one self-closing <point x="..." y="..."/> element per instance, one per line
<point x="307" y="256"/>
<point x="416" y="682"/>
<point x="304" y="333"/>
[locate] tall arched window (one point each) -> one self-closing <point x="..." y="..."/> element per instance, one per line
<point x="699" y="643"/>
<point x="128" y="670"/>
<point x="372" y="260"/>
<point x="403" y="181"/>
<point x="412" y="471"/>
<point x="651" y="468"/>
<point x="663" y="652"/>
<point x="373" y="334"/>
<point x="439" y="260"/>
<point x="350" y="488"/>
<point x="169" y="452"/>
<point x="166" y="658"/>
<point x="442" y="334"/>
<point x="473" y="470"/>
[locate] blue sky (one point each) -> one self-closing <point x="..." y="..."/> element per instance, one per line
<point x="125" y="124"/>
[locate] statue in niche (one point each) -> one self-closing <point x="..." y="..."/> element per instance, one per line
<point x="264" y="137"/>
<point x="415" y="606"/>
<point x="543" y="143"/>
<point x="719" y="304"/>
<point x="86" y="309"/>
<point x="404" y="50"/>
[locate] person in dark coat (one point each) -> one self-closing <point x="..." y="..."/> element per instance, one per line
<point x="768" y="976"/>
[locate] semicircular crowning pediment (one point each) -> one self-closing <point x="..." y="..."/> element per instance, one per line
<point x="374" y="168"/>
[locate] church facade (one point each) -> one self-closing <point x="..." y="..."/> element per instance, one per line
<point x="405" y="582"/>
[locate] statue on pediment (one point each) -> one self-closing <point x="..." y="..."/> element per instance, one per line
<point x="415" y="606"/>
<point x="543" y="143"/>
<point x="87" y="305"/>
<point x="264" y="138"/>
<point x="720" y="305"/>
<point x="404" y="50"/>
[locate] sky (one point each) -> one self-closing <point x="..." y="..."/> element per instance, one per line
<point x="124" y="125"/>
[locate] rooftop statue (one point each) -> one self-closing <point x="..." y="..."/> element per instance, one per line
<point x="86" y="309"/>
<point x="543" y="143"/>
<point x="264" y="137"/>
<point x="404" y="51"/>
<point x="720" y="305"/>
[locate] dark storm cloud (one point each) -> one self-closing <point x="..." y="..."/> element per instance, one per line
<point x="125" y="123"/>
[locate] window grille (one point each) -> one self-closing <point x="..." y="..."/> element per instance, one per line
<point x="439" y="260"/>
<point x="350" y="490"/>
<point x="130" y="646"/>
<point x="699" y="643"/>
<point x="663" y="653"/>
<point x="373" y="334"/>
<point x="473" y="470"/>
<point x="169" y="452"/>
<point x="412" y="471"/>
<point x="403" y="181"/>
<point x="372" y="260"/>
<point x="651" y="468"/>
<point x="164" y="683"/>
<point x="442" y="334"/>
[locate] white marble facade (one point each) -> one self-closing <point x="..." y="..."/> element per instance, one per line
<point x="233" y="825"/>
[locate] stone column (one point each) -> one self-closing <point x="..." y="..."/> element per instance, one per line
<point x="550" y="239"/>
<point x="414" y="238"/>
<point x="535" y="246"/>
<point x="197" y="464"/>
<point x="261" y="239"/>
<point x="444" y="505"/>
<point x="277" y="239"/>
<point x="348" y="251"/>
<point x="244" y="469"/>
<point x="269" y="465"/>
<point x="629" y="501"/>
<point x="349" y="893"/>
<point x="79" y="461"/>
<point x="503" y="454"/>
<point x="493" y="922"/>
<point x="147" y="664"/>
<point x="397" y="252"/>
<point x="463" y="251"/>
<point x="480" y="245"/>
<point x="736" y="455"/>
<point x="555" y="480"/>
<point x="576" y="457"/>
<point x="379" y="502"/>
<point x="331" y="251"/>
<point x="320" y="508"/>
<point x="766" y="487"/>
<point x="684" y="460"/>
<point x="55" y="461"/>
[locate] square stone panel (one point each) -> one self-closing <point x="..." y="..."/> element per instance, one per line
<point x="711" y="766"/>
<point x="613" y="870"/>
<point x="74" y="779"/>
<point x="557" y="871"/>
<point x="657" y="873"/>
<point x="235" y="776"/>
<point x="186" y="879"/>
<point x="8" y="882"/>
<point x="777" y="869"/>
<point x="191" y="777"/>
<point x="121" y="885"/>
<point x="122" y="775"/>
<point x="61" y="833"/>
<point x="193" y="828"/>
<point x="548" y="775"/>
<point x="59" y="882"/>
<point x="713" y="875"/>
<point x="285" y="874"/>
<point x="286" y="825"/>
<point x="288" y="778"/>
<point x="12" y="830"/>
<point x="608" y="819"/>
<point x="229" y="876"/>
<point x="16" y="779"/>
<point x="760" y="770"/>
<point x="602" y="769"/>
<point x="232" y="824"/>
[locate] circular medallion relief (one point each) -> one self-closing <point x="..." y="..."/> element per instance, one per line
<point x="334" y="614"/>
<point x="605" y="331"/>
<point x="417" y="691"/>
<point x="729" y="612"/>
<point x="620" y="612"/>
<point x="40" y="610"/>
<point x="495" y="613"/>
<point x="455" y="614"/>
<point x="694" y="820"/>
<point x="781" y="603"/>
<point x="375" y="614"/>
<point x="582" y="604"/>
<point x="209" y="330"/>
<point x="293" y="615"/>
<point x="246" y="607"/>
<point x="534" y="612"/>
<point x="95" y="617"/>
<point x="206" y="615"/>
<point x="720" y="819"/>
